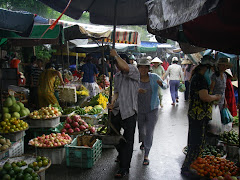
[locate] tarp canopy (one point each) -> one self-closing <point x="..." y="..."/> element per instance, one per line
<point x="85" y="31"/>
<point x="15" y="21"/>
<point x="217" y="28"/>
<point x="129" y="12"/>
<point x="54" y="36"/>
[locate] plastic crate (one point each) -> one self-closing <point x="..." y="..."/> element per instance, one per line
<point x="17" y="148"/>
<point x="81" y="156"/>
<point x="14" y="136"/>
<point x="44" y="123"/>
<point x="55" y="154"/>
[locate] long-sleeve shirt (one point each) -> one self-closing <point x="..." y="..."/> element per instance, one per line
<point x="175" y="72"/>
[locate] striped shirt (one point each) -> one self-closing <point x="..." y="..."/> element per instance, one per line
<point x="35" y="73"/>
<point x="126" y="85"/>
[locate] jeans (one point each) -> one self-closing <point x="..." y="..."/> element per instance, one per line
<point x="174" y="84"/>
<point x="125" y="149"/>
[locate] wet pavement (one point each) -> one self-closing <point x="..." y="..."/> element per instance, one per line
<point x="166" y="156"/>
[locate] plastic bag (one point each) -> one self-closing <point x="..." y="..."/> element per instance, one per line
<point x="215" y="125"/>
<point x="182" y="87"/>
<point x="226" y="116"/>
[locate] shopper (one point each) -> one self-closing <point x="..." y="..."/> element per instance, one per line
<point x="124" y="110"/>
<point x="229" y="94"/>
<point x="89" y="73"/>
<point x="219" y="79"/>
<point x="175" y="75"/>
<point x="35" y="74"/>
<point x="159" y="70"/>
<point x="187" y="75"/>
<point x="46" y="85"/>
<point x="148" y="105"/>
<point x="199" y="112"/>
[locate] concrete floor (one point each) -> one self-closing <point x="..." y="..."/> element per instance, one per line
<point x="166" y="155"/>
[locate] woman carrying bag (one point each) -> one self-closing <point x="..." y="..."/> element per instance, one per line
<point x="199" y="112"/>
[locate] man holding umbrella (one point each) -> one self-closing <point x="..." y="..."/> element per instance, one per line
<point x="124" y="109"/>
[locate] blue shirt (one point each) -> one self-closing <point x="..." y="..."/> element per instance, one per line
<point x="153" y="82"/>
<point x="89" y="70"/>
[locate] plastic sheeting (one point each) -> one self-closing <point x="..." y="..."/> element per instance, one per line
<point x="164" y="14"/>
<point x="15" y="21"/>
<point x="129" y="12"/>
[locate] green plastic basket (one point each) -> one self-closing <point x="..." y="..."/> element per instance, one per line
<point x="81" y="156"/>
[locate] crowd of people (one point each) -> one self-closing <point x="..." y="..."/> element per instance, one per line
<point x="138" y="96"/>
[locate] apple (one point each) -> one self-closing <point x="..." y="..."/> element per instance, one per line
<point x="82" y="127"/>
<point x="55" y="144"/>
<point x="67" y="126"/>
<point x="70" y="130"/>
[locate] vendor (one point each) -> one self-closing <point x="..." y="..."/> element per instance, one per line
<point x="46" y="85"/>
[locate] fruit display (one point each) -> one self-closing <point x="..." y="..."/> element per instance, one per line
<point x="102" y="79"/>
<point x="51" y="140"/>
<point x="95" y="110"/>
<point x="230" y="137"/>
<point x="12" y="125"/>
<point x="235" y="120"/>
<point x="210" y="150"/>
<point x="99" y="99"/>
<point x="67" y="111"/>
<point x="75" y="124"/>
<point x="15" y="170"/>
<point x="4" y="143"/>
<point x="212" y="167"/>
<point x="40" y="161"/>
<point x="227" y="177"/>
<point x="12" y="108"/>
<point x="45" y="113"/>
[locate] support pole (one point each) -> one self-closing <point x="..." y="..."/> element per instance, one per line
<point x="238" y="103"/>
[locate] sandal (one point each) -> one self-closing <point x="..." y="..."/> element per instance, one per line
<point x="146" y="162"/>
<point x="173" y="104"/>
<point x="142" y="146"/>
<point x="121" y="173"/>
<point x="177" y="100"/>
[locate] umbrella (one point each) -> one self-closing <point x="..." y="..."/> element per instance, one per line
<point x="106" y="12"/>
<point x="130" y="12"/>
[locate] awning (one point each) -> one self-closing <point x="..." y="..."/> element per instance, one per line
<point x="15" y="21"/>
<point x="84" y="31"/>
<point x="54" y="36"/>
<point x="217" y="28"/>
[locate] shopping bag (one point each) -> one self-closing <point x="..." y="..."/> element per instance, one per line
<point x="226" y="116"/>
<point x="215" y="125"/>
<point x="182" y="87"/>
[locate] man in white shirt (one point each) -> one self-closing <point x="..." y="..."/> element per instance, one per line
<point x="175" y="75"/>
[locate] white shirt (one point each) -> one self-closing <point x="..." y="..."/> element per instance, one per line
<point x="175" y="72"/>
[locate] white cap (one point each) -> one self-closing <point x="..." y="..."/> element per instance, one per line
<point x="149" y="58"/>
<point x="174" y="59"/>
<point x="156" y="60"/>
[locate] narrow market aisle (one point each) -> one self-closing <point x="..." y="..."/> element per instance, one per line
<point x="166" y="155"/>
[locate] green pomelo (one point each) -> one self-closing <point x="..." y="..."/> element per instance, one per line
<point x="5" y="110"/>
<point x="6" y="116"/>
<point x="16" y="115"/>
<point x="13" y="99"/>
<point x="8" y="102"/>
<point x="28" y="111"/>
<point x="15" y="108"/>
<point x="23" y="112"/>
<point x="21" y="105"/>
